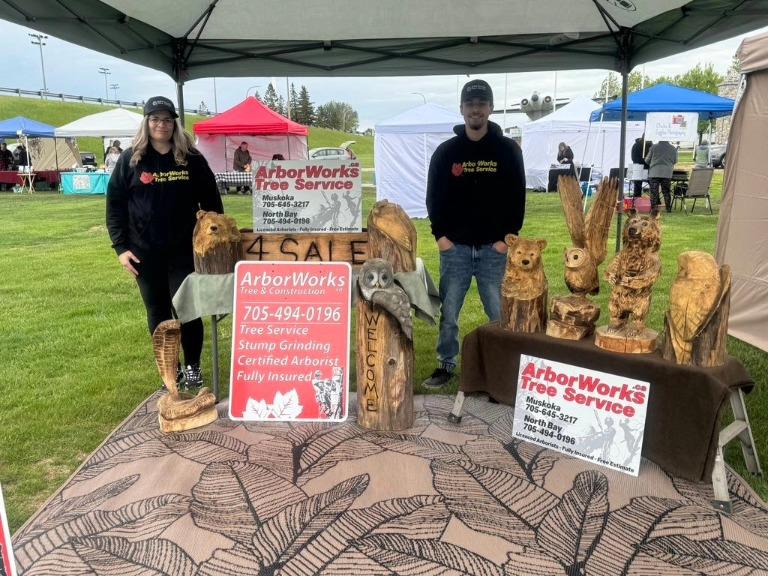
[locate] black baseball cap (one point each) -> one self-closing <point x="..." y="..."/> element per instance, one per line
<point x="160" y="104"/>
<point x="479" y="89"/>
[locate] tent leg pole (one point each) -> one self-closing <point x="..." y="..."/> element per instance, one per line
<point x="622" y="144"/>
<point x="180" y="98"/>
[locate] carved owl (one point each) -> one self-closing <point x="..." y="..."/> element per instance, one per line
<point x="693" y="298"/>
<point x="377" y="285"/>
<point x="581" y="272"/>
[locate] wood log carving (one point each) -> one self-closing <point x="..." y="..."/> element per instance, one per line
<point x="216" y="243"/>
<point x="574" y="317"/>
<point x="696" y="324"/>
<point x="524" y="287"/>
<point x="178" y="411"/>
<point x="384" y="331"/>
<point x="632" y="273"/>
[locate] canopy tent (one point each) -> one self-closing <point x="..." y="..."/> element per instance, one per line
<point x="118" y="122"/>
<point x="594" y="144"/>
<point x="742" y="236"/>
<point x="20" y="126"/>
<point x="266" y="132"/>
<point x="666" y="98"/>
<point x="403" y="147"/>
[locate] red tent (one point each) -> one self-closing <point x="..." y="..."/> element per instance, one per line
<point x="266" y="132"/>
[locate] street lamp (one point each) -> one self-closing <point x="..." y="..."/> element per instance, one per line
<point x="39" y="40"/>
<point x="251" y="88"/>
<point x="422" y="96"/>
<point x="106" y="72"/>
<point x="114" y="87"/>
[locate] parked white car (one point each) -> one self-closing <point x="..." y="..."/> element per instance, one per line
<point x="342" y="152"/>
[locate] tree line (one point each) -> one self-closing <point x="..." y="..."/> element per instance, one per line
<point x="334" y="115"/>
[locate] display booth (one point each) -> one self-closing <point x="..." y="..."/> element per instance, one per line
<point x="595" y="144"/>
<point x="403" y="147"/>
<point x="266" y="132"/>
<point x="741" y="238"/>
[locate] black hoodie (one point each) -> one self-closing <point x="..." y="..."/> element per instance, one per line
<point x="153" y="206"/>
<point x="476" y="190"/>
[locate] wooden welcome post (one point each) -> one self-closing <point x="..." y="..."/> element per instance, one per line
<point x="384" y="353"/>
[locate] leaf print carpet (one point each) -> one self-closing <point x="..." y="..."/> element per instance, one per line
<point x="437" y="499"/>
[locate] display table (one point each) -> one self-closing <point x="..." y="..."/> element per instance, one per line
<point x="683" y="418"/>
<point x="557" y="170"/>
<point x="15" y="177"/>
<point x="84" y="182"/>
<point x="225" y="180"/>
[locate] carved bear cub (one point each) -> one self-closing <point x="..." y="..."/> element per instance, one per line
<point x="213" y="230"/>
<point x="524" y="288"/>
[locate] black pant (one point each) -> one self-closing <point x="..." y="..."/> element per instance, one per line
<point x="654" y="184"/>
<point x="638" y="188"/>
<point x="160" y="276"/>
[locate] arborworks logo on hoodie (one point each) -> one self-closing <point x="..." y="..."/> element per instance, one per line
<point x="471" y="167"/>
<point x="159" y="177"/>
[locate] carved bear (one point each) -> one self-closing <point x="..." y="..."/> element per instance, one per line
<point x="633" y="272"/>
<point x="213" y="230"/>
<point x="524" y="288"/>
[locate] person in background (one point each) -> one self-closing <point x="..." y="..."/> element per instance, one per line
<point x="564" y="153"/>
<point x="661" y="160"/>
<point x="154" y="193"/>
<point x="20" y="156"/>
<point x="278" y="157"/>
<point x="640" y="149"/>
<point x="111" y="158"/>
<point x="475" y="197"/>
<point x="115" y="144"/>
<point x="242" y="159"/>
<point x="6" y="162"/>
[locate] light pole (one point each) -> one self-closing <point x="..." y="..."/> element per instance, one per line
<point x="422" y="96"/>
<point x="106" y="72"/>
<point x="251" y="88"/>
<point x="114" y="88"/>
<point x="39" y="40"/>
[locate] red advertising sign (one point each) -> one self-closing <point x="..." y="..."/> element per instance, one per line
<point x="290" y="341"/>
<point x="7" y="564"/>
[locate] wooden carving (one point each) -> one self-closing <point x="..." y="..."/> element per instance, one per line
<point x="178" y="411"/>
<point x="632" y="273"/>
<point x="216" y="243"/>
<point x="696" y="324"/>
<point x="384" y="330"/>
<point x="573" y="317"/>
<point x="524" y="288"/>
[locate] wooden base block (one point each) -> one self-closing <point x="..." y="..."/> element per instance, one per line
<point x="186" y="412"/>
<point x="220" y="260"/>
<point x="572" y="317"/>
<point x="619" y="341"/>
<point x="558" y="329"/>
<point x="524" y="315"/>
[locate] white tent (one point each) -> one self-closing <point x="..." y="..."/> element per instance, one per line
<point x="117" y="122"/>
<point x="403" y="146"/>
<point x="594" y="144"/>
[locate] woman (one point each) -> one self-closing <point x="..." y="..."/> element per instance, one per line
<point x="156" y="189"/>
<point x="110" y="160"/>
<point x="564" y="153"/>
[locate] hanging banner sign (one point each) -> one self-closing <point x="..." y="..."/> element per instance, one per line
<point x="592" y="415"/>
<point x="290" y="341"/>
<point x="7" y="563"/>
<point x="672" y="126"/>
<point x="307" y="196"/>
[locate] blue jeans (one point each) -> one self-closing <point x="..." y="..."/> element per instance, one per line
<point x="457" y="267"/>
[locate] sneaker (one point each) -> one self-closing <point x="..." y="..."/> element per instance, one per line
<point x="439" y="378"/>
<point x="181" y="376"/>
<point x="194" y="376"/>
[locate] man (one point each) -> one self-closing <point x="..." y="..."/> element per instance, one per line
<point x="661" y="160"/>
<point x="242" y="159"/>
<point x="6" y="162"/>
<point x="475" y="196"/>
<point x="640" y="149"/>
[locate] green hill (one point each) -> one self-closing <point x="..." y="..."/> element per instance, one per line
<point x="57" y="113"/>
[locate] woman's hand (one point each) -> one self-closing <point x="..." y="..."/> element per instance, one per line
<point x="127" y="259"/>
<point x="500" y="247"/>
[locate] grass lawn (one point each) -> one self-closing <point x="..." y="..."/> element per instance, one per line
<point x="75" y="356"/>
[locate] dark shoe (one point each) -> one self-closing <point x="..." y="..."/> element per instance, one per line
<point x="194" y="376"/>
<point x="439" y="378"/>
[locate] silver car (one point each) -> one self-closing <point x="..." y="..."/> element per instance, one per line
<point x="341" y="152"/>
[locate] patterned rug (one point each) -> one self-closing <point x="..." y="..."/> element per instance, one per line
<point x="237" y="499"/>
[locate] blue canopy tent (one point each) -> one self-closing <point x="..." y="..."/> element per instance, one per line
<point x="666" y="98"/>
<point x="19" y="125"/>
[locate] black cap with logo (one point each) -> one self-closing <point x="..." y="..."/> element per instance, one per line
<point x="479" y="89"/>
<point x="160" y="104"/>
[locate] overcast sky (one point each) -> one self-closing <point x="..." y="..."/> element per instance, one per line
<point x="74" y="70"/>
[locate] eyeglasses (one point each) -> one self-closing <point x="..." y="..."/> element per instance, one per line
<point x="155" y="120"/>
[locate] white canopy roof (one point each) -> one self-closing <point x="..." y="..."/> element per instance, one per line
<point x="577" y="110"/>
<point x="427" y="118"/>
<point x="112" y="123"/>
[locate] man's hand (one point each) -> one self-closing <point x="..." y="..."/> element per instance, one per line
<point x="500" y="247"/>
<point x="443" y="244"/>
<point x="127" y="259"/>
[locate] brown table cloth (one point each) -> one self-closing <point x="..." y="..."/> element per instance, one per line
<point x="683" y="417"/>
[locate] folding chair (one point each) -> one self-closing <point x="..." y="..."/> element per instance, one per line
<point x="698" y="187"/>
